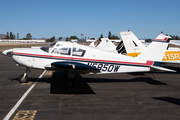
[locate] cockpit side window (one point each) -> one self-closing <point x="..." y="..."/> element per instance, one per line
<point x="62" y="51"/>
<point x="78" y="52"/>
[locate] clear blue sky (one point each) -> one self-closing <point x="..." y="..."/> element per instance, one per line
<point x="64" y="18"/>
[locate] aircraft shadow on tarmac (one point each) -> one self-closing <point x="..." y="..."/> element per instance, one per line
<point x="175" y="101"/>
<point x="58" y="86"/>
<point x="81" y="86"/>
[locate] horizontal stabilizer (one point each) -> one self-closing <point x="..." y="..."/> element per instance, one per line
<point x="154" y="68"/>
<point x="176" y="42"/>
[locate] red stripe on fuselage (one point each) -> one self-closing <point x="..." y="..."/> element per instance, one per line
<point x="31" y="54"/>
<point x="148" y="63"/>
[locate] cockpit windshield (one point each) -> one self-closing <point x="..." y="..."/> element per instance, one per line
<point x="48" y="47"/>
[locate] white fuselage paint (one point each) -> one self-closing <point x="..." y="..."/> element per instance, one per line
<point x="107" y="62"/>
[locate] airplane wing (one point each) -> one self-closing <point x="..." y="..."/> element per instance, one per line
<point x="66" y="66"/>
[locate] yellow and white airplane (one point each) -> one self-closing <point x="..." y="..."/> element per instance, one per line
<point x="134" y="47"/>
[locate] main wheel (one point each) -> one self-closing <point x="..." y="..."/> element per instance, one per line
<point x="23" y="79"/>
<point x="69" y="82"/>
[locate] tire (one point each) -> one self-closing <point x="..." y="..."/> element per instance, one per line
<point x="69" y="83"/>
<point x="21" y="80"/>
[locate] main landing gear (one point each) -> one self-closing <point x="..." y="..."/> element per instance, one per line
<point x="69" y="79"/>
<point x="23" y="78"/>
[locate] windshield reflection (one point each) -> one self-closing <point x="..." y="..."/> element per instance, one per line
<point x="48" y="47"/>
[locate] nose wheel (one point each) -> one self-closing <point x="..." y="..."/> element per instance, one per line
<point x="69" y="82"/>
<point x="23" y="78"/>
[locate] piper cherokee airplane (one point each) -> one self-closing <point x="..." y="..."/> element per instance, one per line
<point x="134" y="47"/>
<point x="73" y="58"/>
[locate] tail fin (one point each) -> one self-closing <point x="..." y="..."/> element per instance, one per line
<point x="163" y="38"/>
<point x="155" y="51"/>
<point x="107" y="45"/>
<point x="132" y="44"/>
<point x="92" y="44"/>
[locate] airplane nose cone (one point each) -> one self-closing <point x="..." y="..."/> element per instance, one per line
<point x="8" y="52"/>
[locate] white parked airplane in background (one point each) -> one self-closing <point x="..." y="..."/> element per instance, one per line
<point x="134" y="47"/>
<point x="73" y="58"/>
<point x="105" y="44"/>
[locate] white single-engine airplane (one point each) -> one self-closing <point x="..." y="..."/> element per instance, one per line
<point x="73" y="58"/>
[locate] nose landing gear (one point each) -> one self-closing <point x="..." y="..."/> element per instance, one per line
<point x="23" y="78"/>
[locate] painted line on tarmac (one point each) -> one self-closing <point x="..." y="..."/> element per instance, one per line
<point x="25" y="115"/>
<point x="26" y="83"/>
<point x="49" y="73"/>
<point x="22" y="98"/>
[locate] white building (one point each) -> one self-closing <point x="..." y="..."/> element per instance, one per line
<point x="23" y="41"/>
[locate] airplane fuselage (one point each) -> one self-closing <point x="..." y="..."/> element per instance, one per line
<point x="106" y="62"/>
